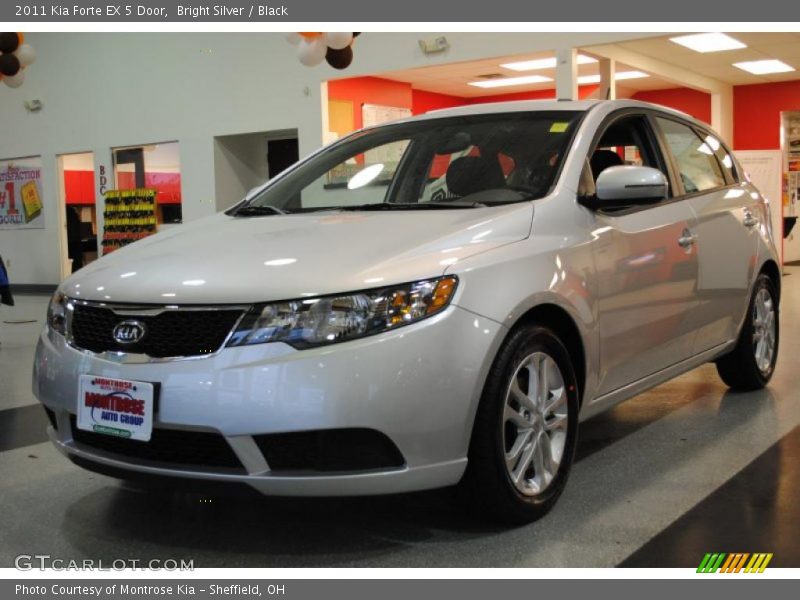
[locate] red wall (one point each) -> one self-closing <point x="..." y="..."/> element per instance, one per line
<point x="692" y="102"/>
<point x="583" y="92"/>
<point x="79" y="187"/>
<point x="422" y="101"/>
<point x="168" y="185"/>
<point x="757" y="113"/>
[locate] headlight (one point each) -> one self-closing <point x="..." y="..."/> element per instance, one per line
<point x="57" y="313"/>
<point x="330" y="319"/>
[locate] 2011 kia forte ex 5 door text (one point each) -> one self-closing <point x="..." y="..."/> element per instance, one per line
<point x="431" y="302"/>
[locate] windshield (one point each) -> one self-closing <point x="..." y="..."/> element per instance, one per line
<point x="455" y="162"/>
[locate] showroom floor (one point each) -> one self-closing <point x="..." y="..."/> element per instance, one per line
<point x="685" y="469"/>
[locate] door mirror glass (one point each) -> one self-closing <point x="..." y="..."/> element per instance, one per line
<point x="629" y="185"/>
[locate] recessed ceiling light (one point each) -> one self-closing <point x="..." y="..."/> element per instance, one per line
<point x="630" y="75"/>
<point x="507" y="81"/>
<point x="764" y="67"/>
<point x="622" y="75"/>
<point x="708" y="42"/>
<point x="543" y="63"/>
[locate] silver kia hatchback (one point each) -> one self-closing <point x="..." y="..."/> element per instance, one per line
<point x="433" y="302"/>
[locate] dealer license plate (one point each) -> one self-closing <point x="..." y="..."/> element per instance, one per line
<point x="116" y="407"/>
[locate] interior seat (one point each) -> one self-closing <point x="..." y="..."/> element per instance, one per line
<point x="472" y="174"/>
<point x="602" y="160"/>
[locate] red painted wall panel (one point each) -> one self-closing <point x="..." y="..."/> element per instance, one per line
<point x="692" y="102"/>
<point x="757" y="113"/>
<point x="79" y="187"/>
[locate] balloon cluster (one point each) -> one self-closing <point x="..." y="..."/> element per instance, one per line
<point x="314" y="46"/>
<point x="15" y="55"/>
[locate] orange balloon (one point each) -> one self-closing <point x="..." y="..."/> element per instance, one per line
<point x="310" y="35"/>
<point x="21" y="37"/>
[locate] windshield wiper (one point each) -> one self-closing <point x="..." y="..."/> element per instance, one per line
<point x="406" y="206"/>
<point x="258" y="211"/>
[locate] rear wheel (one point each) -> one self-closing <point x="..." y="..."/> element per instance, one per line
<point x="525" y="430"/>
<point x="749" y="366"/>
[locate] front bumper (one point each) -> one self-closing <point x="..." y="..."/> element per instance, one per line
<point x="418" y="385"/>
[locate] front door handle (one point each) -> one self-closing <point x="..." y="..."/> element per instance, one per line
<point x="687" y="239"/>
<point x="749" y="220"/>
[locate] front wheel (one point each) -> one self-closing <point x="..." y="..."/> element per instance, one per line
<point x="525" y="429"/>
<point x="749" y="366"/>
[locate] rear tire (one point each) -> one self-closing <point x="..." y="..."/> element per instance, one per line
<point x="750" y="365"/>
<point x="525" y="431"/>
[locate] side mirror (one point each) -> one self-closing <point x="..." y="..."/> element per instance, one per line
<point x="623" y="186"/>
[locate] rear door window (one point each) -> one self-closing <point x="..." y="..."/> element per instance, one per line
<point x="695" y="158"/>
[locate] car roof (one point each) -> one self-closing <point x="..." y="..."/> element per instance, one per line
<point x="543" y="105"/>
<point x="514" y="106"/>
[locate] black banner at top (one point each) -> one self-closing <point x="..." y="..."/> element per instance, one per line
<point x="449" y="11"/>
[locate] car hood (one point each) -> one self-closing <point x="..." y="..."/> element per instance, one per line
<point x="224" y="259"/>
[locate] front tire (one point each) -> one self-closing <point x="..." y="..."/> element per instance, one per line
<point x="750" y="365"/>
<point x="525" y="431"/>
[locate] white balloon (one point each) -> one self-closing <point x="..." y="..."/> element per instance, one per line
<point x="294" y="38"/>
<point x="26" y="55"/>
<point x="14" y="81"/>
<point x="339" y="40"/>
<point x="311" y="53"/>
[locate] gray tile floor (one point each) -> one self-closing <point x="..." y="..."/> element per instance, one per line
<point x="641" y="467"/>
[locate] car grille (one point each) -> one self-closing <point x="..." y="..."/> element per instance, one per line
<point x="171" y="333"/>
<point x="201" y="449"/>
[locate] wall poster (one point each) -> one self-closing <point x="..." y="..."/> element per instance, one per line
<point x="21" y="204"/>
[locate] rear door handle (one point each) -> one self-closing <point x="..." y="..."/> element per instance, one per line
<point x="687" y="239"/>
<point x="749" y="220"/>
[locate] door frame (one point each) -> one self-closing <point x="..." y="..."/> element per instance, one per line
<point x="61" y="209"/>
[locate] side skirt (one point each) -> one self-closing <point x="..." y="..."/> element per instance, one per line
<point x="606" y="401"/>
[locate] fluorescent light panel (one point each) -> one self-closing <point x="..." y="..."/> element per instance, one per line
<point x="620" y="76"/>
<point x="543" y="63"/>
<point x="509" y="81"/>
<point x="764" y="67"/>
<point x="708" y="42"/>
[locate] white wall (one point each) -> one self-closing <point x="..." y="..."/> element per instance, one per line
<point x="240" y="164"/>
<point x="105" y="90"/>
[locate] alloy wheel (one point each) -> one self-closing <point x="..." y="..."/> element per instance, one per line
<point x="764" y="330"/>
<point x="535" y="422"/>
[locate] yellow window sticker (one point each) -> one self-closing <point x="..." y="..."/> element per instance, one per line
<point x="559" y="127"/>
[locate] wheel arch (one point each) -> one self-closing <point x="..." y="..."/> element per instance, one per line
<point x="564" y="326"/>
<point x="771" y="269"/>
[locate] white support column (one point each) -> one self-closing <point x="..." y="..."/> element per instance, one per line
<point x="722" y="113"/>
<point x="567" y="74"/>
<point x="608" y="85"/>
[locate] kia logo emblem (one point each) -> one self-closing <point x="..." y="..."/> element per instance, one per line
<point x="129" y="332"/>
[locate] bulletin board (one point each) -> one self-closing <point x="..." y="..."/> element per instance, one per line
<point x="376" y="114"/>
<point x="21" y="199"/>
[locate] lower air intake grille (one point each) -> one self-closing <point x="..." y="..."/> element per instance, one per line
<point x="329" y="450"/>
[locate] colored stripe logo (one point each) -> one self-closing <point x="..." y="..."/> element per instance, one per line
<point x="737" y="562"/>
